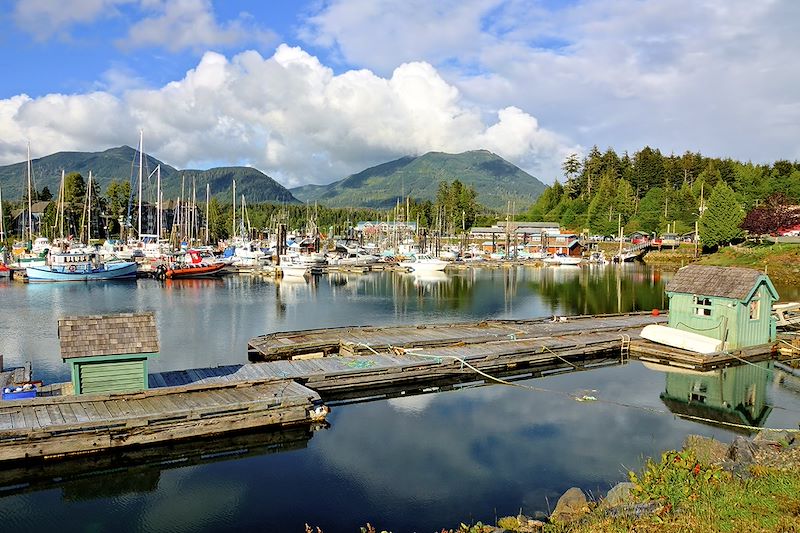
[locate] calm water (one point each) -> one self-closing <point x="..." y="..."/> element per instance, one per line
<point x="413" y="463"/>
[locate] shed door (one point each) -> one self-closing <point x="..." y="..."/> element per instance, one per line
<point x="117" y="376"/>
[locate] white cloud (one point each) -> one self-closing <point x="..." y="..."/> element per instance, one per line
<point x="190" y="24"/>
<point x="288" y="115"/>
<point x="173" y="25"/>
<point x="44" y="18"/>
<point x="711" y="76"/>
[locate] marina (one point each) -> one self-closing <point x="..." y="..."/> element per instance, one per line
<point x="209" y="405"/>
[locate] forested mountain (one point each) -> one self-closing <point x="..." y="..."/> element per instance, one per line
<point x="495" y="180"/>
<point x="121" y="164"/>
<point x="650" y="190"/>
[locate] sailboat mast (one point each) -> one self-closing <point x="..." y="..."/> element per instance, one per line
<point x="194" y="208"/>
<point x="89" y="214"/>
<point x="30" y="197"/>
<point x="141" y="166"/>
<point x="2" y="217"/>
<point x="158" y="202"/>
<point x="61" y="207"/>
<point x="233" y="224"/>
<point x="208" y="195"/>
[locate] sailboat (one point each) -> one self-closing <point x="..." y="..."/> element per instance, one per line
<point x="5" y="272"/>
<point x="81" y="265"/>
<point x="38" y="246"/>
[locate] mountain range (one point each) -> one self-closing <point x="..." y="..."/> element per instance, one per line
<point x="122" y="162"/>
<point x="494" y="179"/>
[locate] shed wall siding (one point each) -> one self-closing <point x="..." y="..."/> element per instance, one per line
<point x="755" y="332"/>
<point x="683" y="317"/>
<point x="118" y="376"/>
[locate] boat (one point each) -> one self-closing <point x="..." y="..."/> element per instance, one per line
<point x="5" y="272"/>
<point x="80" y="266"/>
<point x="562" y="259"/>
<point x="424" y="263"/>
<point x="291" y="266"/>
<point x="193" y="265"/>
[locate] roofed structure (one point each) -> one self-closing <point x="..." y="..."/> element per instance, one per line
<point x="724" y="282"/>
<point x="95" y="335"/>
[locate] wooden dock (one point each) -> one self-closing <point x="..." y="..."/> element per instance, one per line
<point x="295" y="370"/>
<point x="58" y="426"/>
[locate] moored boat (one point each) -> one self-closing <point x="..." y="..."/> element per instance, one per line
<point x="80" y="266"/>
<point x="562" y="259"/>
<point x="424" y="263"/>
<point x="194" y="265"/>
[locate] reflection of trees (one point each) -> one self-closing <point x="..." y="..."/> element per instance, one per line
<point x="605" y="290"/>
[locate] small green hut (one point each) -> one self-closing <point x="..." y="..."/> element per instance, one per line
<point x="108" y="353"/>
<point x="730" y="304"/>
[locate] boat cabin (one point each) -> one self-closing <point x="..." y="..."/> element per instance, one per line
<point x="729" y="304"/>
<point x="108" y="353"/>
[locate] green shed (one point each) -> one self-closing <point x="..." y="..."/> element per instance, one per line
<point x="734" y="397"/>
<point x="108" y="353"/>
<point x="730" y="304"/>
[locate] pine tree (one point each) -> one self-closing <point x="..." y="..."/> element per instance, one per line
<point x="721" y="220"/>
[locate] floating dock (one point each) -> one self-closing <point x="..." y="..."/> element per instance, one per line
<point x="58" y="426"/>
<point x="292" y="372"/>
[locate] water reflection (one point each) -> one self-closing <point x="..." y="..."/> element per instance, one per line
<point x="730" y="397"/>
<point x="139" y="470"/>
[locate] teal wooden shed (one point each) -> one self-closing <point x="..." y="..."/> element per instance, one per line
<point x="108" y="353"/>
<point x="730" y="304"/>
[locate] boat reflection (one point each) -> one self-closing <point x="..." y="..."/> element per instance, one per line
<point x="733" y="398"/>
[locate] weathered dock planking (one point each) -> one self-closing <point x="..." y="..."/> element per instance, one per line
<point x="68" y="425"/>
<point x="362" y="339"/>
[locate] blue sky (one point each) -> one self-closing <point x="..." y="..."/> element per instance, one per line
<point x="312" y="91"/>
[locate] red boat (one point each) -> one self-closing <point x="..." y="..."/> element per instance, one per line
<point x="5" y="272"/>
<point x="194" y="266"/>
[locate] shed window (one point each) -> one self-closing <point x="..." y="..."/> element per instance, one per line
<point x="755" y="308"/>
<point x="702" y="306"/>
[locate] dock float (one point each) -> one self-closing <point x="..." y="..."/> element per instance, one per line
<point x="58" y="426"/>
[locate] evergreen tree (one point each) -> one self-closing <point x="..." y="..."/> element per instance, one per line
<point x="601" y="208"/>
<point x="651" y="210"/>
<point x="572" y="168"/>
<point x="721" y="221"/>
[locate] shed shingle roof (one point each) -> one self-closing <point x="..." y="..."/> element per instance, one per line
<point x="725" y="282"/>
<point x="127" y="333"/>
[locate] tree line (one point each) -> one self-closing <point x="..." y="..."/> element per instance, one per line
<point x="454" y="210"/>
<point x="651" y="192"/>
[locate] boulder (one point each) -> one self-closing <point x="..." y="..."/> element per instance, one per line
<point x="706" y="450"/>
<point x="571" y="506"/>
<point x="742" y="451"/>
<point x="619" y="494"/>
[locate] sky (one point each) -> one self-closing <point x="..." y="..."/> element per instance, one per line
<point x="312" y="91"/>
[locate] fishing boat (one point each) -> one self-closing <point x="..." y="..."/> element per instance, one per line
<point x="424" y="263"/>
<point x="80" y="266"/>
<point x="291" y="266"/>
<point x="194" y="265"/>
<point x="5" y="272"/>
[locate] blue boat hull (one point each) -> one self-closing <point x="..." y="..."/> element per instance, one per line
<point x="81" y="273"/>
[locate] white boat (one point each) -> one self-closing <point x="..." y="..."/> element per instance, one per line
<point x="677" y="338"/>
<point x="424" y="263"/>
<point x="562" y="259"/>
<point x="80" y="267"/>
<point x="291" y="266"/>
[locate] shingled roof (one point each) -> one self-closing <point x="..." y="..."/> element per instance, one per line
<point x="725" y="282"/>
<point x="127" y="333"/>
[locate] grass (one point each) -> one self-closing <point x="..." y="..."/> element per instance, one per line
<point x="700" y="498"/>
<point x="781" y="261"/>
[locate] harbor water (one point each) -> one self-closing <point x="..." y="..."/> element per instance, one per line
<point x="409" y="463"/>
